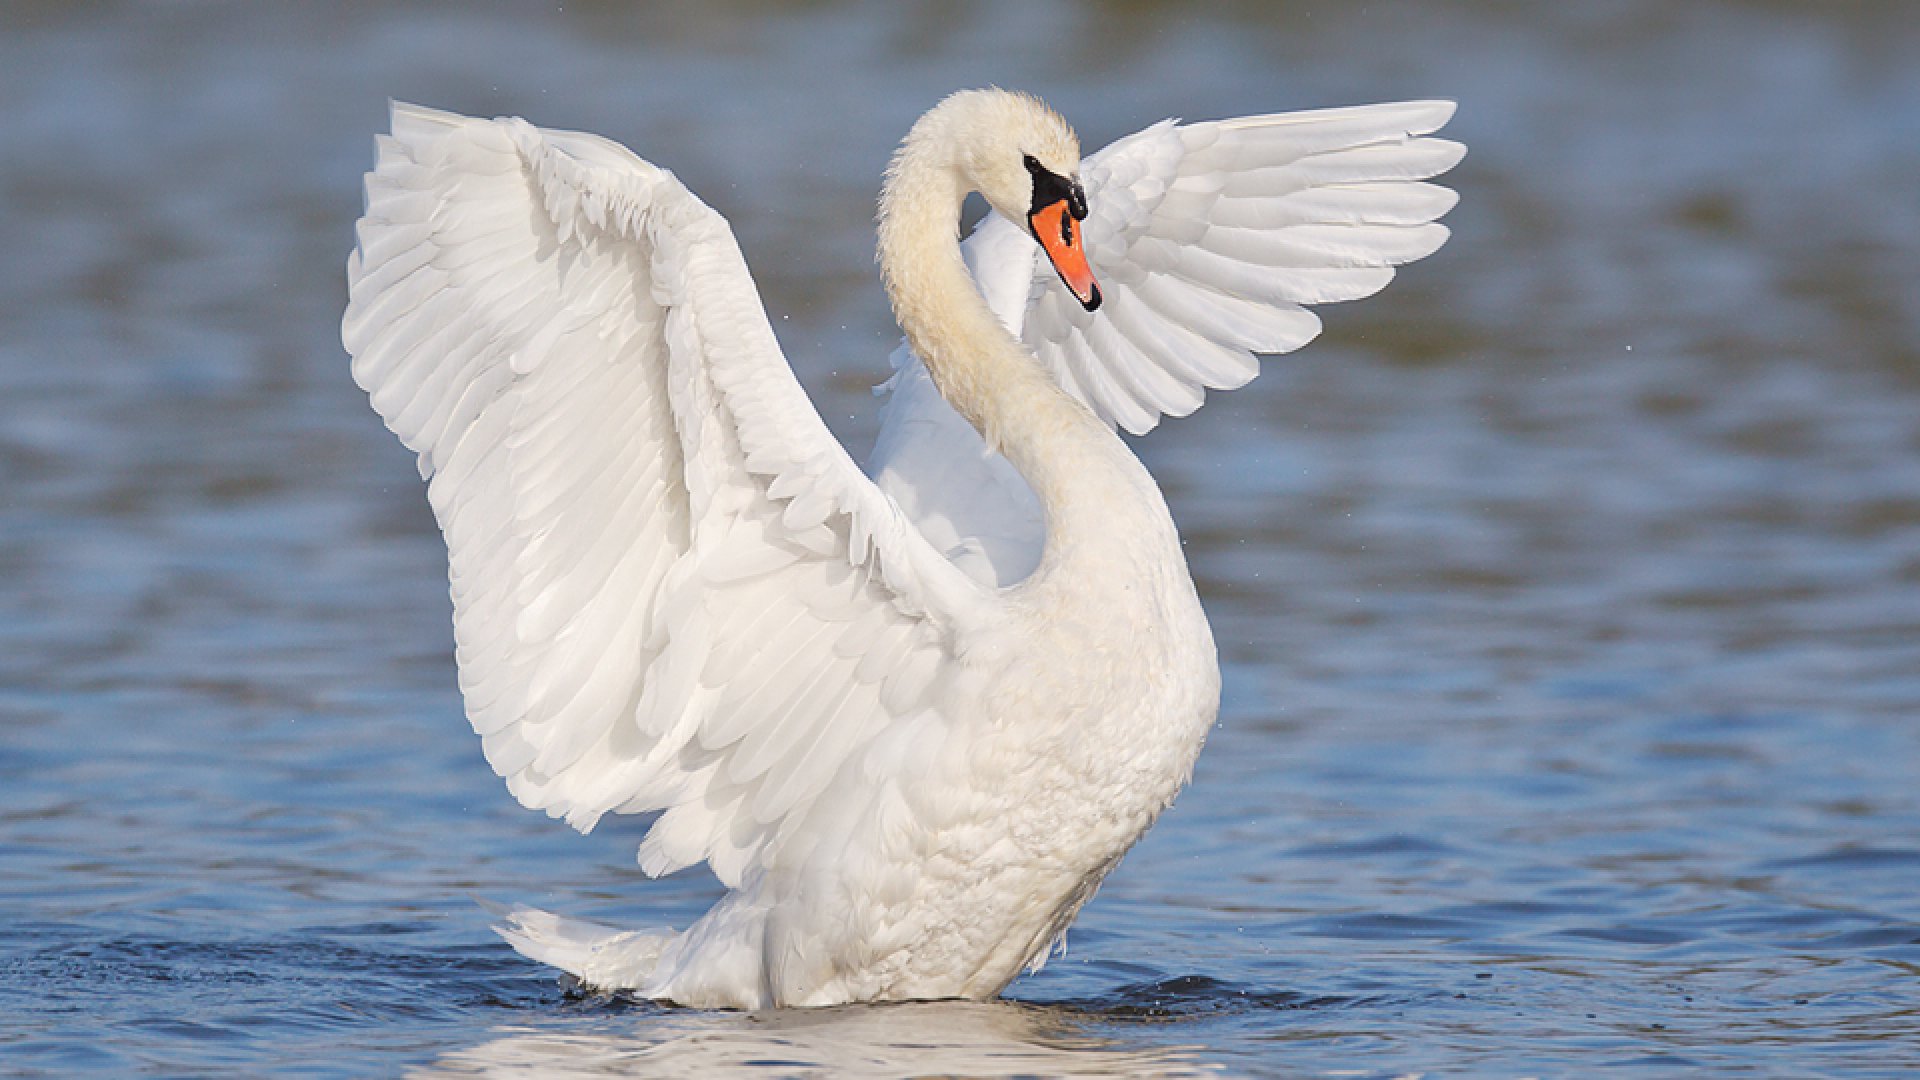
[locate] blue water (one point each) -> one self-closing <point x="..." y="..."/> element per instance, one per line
<point x="1568" y="592"/>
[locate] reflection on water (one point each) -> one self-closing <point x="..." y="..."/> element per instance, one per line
<point x="946" y="1038"/>
<point x="1569" y="591"/>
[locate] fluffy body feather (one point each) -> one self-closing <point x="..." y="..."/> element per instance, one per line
<point x="911" y="721"/>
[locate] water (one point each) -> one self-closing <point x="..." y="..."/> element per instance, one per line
<point x="1569" y="592"/>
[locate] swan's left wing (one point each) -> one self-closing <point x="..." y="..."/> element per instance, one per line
<point x="1210" y="239"/>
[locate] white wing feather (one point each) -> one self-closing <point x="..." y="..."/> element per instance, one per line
<point x="1209" y="238"/>
<point x="672" y="588"/>
<point x="1208" y="241"/>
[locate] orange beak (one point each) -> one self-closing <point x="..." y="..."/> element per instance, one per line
<point x="1059" y="234"/>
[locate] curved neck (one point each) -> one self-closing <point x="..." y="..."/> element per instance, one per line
<point x="989" y="377"/>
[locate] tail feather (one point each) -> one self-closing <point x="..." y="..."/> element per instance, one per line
<point x="600" y="956"/>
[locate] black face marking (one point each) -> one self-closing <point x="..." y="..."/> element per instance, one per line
<point x="1050" y="187"/>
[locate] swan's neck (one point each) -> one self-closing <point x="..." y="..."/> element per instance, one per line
<point x="1078" y="468"/>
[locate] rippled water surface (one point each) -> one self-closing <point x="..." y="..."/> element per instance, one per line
<point x="1568" y="592"/>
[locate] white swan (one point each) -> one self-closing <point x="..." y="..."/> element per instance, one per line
<point x="910" y="722"/>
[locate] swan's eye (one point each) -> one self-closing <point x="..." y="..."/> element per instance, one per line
<point x="1050" y="187"/>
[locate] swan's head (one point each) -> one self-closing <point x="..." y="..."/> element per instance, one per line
<point x="1025" y="161"/>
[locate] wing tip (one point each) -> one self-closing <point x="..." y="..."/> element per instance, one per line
<point x="406" y="114"/>
<point x="1421" y="116"/>
<point x="1447" y="152"/>
<point x="1415" y="117"/>
<point x="1436" y="113"/>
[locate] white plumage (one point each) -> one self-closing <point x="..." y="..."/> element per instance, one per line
<point x="911" y="721"/>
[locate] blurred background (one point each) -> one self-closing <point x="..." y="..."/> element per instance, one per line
<point x="1568" y="591"/>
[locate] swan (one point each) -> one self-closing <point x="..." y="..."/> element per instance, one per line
<point x="910" y="716"/>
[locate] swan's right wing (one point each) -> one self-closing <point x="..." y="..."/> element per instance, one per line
<point x="1210" y="239"/>
<point x="672" y="588"/>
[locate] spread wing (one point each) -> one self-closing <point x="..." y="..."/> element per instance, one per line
<point x="672" y="588"/>
<point x="1209" y="241"/>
